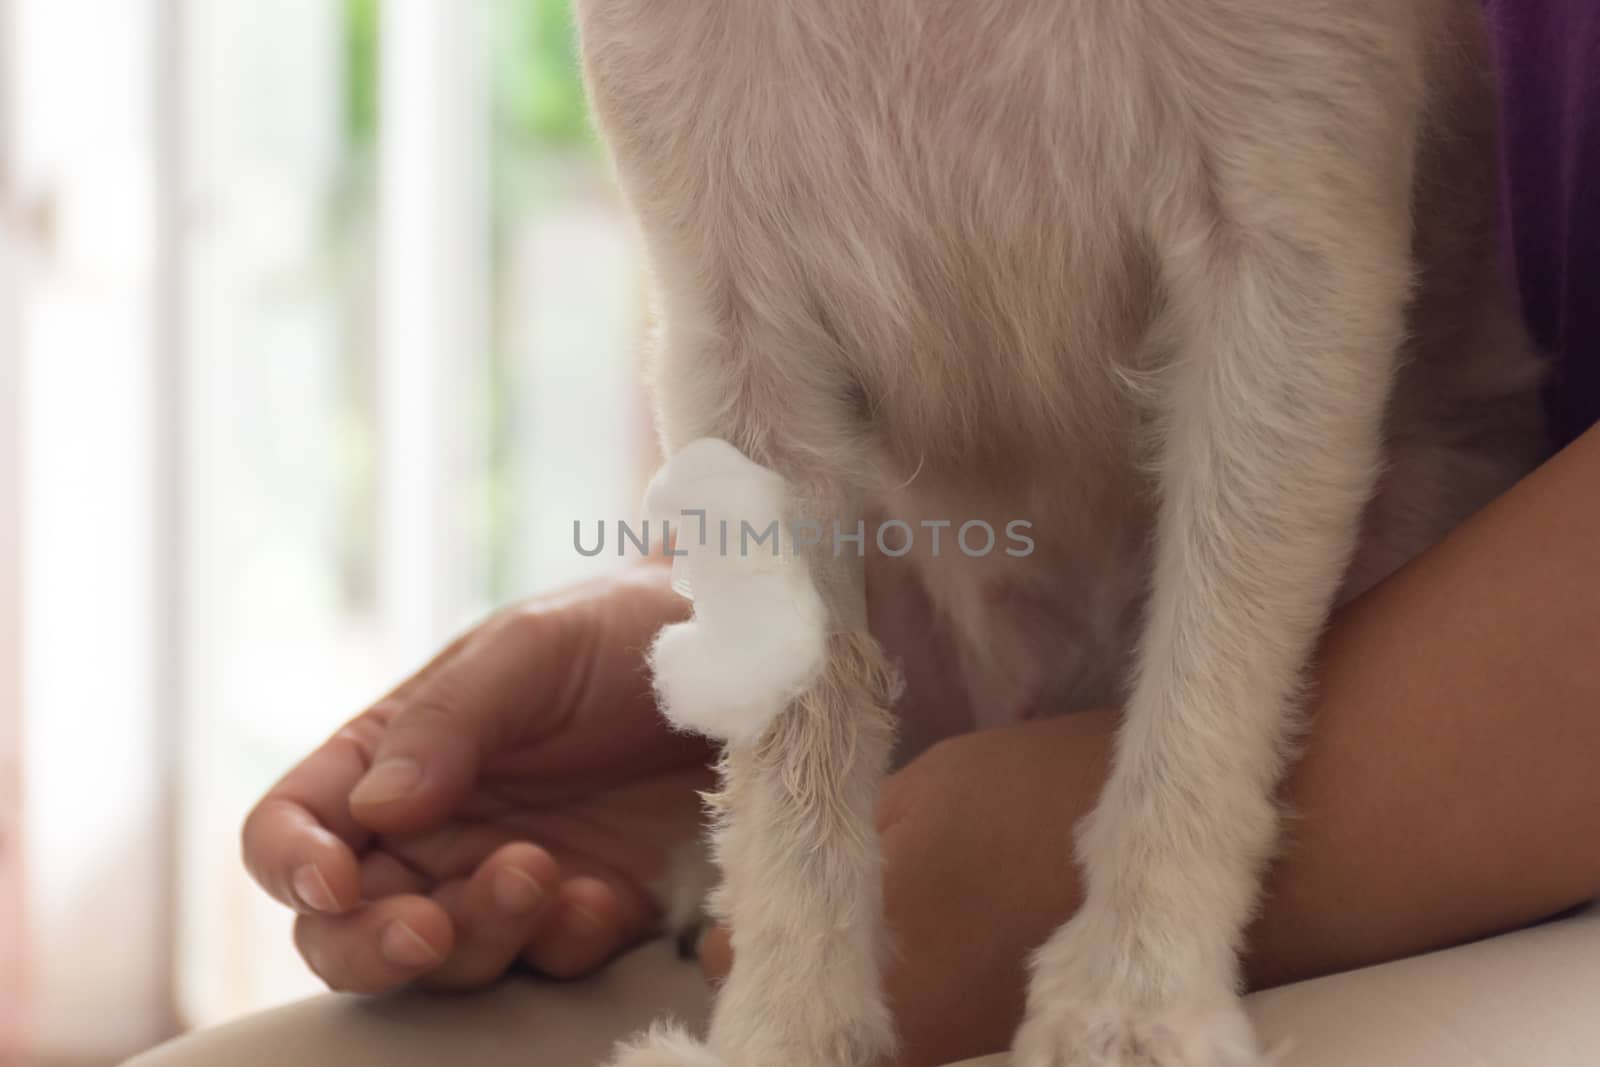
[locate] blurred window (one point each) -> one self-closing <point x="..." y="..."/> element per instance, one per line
<point x="332" y="334"/>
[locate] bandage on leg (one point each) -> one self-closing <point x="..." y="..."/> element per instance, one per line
<point x="758" y="637"/>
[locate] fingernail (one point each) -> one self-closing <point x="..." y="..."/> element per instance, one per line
<point x="314" y="891"/>
<point x="515" y="891"/>
<point x="404" y="947"/>
<point x="388" y="781"/>
<point x="584" y="922"/>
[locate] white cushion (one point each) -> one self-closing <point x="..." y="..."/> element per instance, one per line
<point x="1529" y="999"/>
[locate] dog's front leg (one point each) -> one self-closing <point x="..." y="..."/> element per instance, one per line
<point x="802" y="888"/>
<point x="1286" y="326"/>
<point x="778" y="665"/>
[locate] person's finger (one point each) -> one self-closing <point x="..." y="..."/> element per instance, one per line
<point x="440" y="727"/>
<point x="598" y="911"/>
<point x="590" y="922"/>
<point x="384" y="875"/>
<point x="454" y="850"/>
<point x="383" y="946"/>
<point x="300" y="842"/>
<point x="715" y="953"/>
<point x="496" y="912"/>
<point x="296" y="858"/>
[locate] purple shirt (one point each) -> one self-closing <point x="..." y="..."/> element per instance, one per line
<point x="1549" y="57"/>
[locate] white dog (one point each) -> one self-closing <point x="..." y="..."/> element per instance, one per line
<point x="1205" y="291"/>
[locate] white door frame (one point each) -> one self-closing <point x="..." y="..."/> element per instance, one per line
<point x="13" y="1008"/>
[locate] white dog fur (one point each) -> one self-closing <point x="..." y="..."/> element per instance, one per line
<point x="1204" y="289"/>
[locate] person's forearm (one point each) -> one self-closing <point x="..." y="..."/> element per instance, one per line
<point x="1446" y="789"/>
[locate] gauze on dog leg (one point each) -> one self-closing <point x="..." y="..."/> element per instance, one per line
<point x="759" y="631"/>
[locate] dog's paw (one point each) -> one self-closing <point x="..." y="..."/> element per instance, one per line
<point x="664" y="1046"/>
<point x="1102" y="1033"/>
<point x="1094" y="1001"/>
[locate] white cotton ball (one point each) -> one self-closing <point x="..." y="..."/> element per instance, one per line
<point x="758" y="637"/>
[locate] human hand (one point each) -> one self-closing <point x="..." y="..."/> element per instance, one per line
<point x="515" y="799"/>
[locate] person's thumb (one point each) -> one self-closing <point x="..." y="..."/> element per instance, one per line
<point x="439" y="727"/>
<point x="424" y="767"/>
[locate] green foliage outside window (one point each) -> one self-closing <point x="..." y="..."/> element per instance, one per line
<point x="540" y="147"/>
<point x="537" y="84"/>
<point x="361" y="71"/>
<point x="534" y="77"/>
